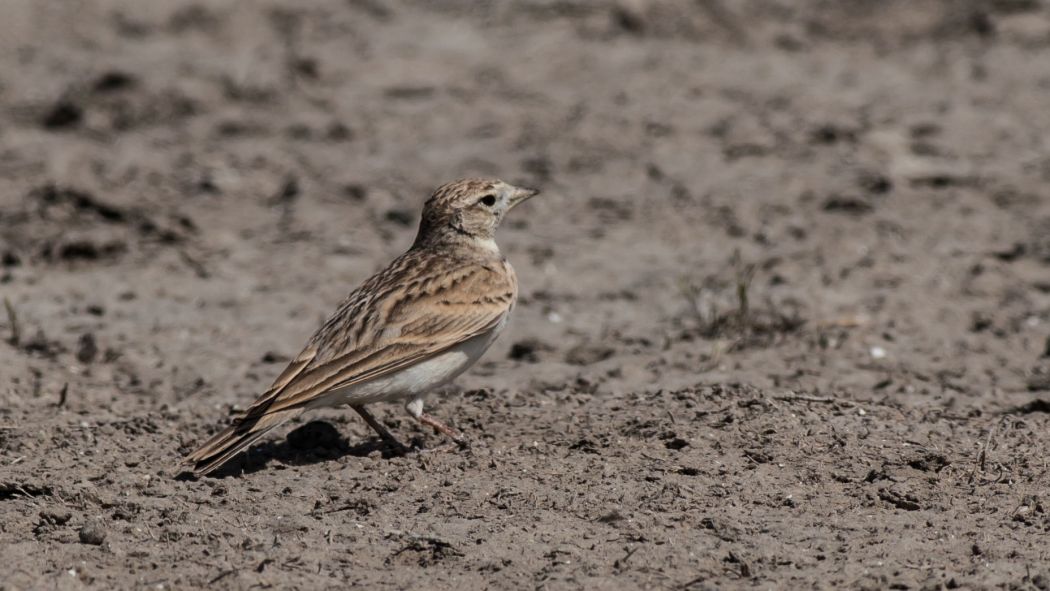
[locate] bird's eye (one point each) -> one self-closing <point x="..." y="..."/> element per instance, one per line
<point x="488" y="200"/>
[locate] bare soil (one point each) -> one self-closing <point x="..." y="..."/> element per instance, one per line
<point x="785" y="300"/>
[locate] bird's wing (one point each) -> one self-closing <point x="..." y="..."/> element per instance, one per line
<point x="390" y="324"/>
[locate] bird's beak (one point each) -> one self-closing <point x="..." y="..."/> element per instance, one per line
<point x="521" y="194"/>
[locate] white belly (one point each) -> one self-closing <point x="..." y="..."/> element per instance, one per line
<point x="416" y="380"/>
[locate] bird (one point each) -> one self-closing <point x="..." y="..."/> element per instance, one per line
<point x="407" y="330"/>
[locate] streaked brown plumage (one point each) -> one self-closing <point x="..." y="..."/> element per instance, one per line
<point x="408" y="329"/>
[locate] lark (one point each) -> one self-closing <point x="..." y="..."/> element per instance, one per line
<point x="406" y="331"/>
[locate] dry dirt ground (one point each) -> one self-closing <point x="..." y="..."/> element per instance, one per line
<point x="785" y="300"/>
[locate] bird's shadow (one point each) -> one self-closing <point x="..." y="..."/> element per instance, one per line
<point x="314" y="442"/>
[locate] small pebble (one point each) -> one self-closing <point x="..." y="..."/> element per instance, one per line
<point x="92" y="534"/>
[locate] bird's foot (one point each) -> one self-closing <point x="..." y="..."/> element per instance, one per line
<point x="439" y="427"/>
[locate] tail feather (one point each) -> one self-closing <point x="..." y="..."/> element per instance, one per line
<point x="234" y="439"/>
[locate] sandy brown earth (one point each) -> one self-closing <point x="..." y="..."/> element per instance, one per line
<point x="785" y="301"/>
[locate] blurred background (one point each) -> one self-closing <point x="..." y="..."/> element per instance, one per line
<point x="791" y="265"/>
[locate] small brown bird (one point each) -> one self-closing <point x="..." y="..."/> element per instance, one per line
<point x="409" y="329"/>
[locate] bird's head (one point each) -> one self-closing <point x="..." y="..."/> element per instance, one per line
<point x="469" y="208"/>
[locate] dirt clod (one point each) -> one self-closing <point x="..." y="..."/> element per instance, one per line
<point x="92" y="533"/>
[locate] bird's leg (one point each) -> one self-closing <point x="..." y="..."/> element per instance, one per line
<point x="443" y="428"/>
<point x="379" y="428"/>
<point x="415" y="408"/>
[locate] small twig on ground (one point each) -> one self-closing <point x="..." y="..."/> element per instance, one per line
<point x="845" y="322"/>
<point x="222" y="576"/>
<point x="396" y="533"/>
<point x="807" y="398"/>
<point x="63" y="394"/>
<point x="693" y="295"/>
<point x="744" y="274"/>
<point x="982" y="455"/>
<point x="197" y="266"/>
<point x="744" y="568"/>
<point x="700" y="579"/>
<point x="623" y="561"/>
<point x="12" y="321"/>
<point x="419" y="543"/>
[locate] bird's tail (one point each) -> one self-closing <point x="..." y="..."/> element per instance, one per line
<point x="234" y="439"/>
